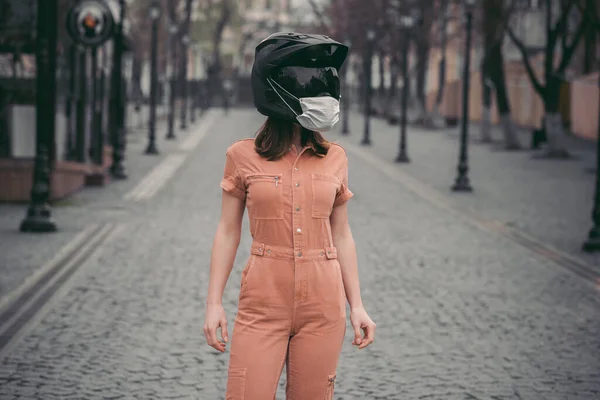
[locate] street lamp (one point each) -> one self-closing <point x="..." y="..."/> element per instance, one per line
<point x="593" y="242"/>
<point x="171" y="78"/>
<point x="185" y="41"/>
<point x="346" y="91"/>
<point x="154" y="13"/>
<point x="406" y="22"/>
<point x="368" y="89"/>
<point x="462" y="183"/>
<point x="193" y="83"/>
<point x="117" y="103"/>
<point x="39" y="217"/>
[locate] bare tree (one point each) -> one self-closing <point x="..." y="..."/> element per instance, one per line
<point x="559" y="33"/>
<point x="494" y="15"/>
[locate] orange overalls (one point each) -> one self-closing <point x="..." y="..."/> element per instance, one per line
<point x="292" y="304"/>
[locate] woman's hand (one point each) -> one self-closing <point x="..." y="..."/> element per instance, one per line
<point x="215" y="318"/>
<point x="361" y="320"/>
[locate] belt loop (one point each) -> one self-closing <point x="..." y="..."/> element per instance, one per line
<point x="330" y="253"/>
<point x="258" y="249"/>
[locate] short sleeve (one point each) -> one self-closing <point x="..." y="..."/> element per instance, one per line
<point x="232" y="182"/>
<point x="344" y="194"/>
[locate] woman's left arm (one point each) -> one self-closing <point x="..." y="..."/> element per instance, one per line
<point x="346" y="250"/>
<point x="346" y="253"/>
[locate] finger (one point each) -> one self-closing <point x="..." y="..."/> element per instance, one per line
<point x="224" y="334"/>
<point x="357" y="336"/>
<point x="212" y="332"/>
<point x="369" y="337"/>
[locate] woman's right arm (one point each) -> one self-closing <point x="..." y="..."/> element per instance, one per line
<point x="225" y="245"/>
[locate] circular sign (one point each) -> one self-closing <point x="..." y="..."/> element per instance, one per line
<point x="90" y="22"/>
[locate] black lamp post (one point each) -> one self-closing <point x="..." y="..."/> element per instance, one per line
<point x="368" y="89"/>
<point x="192" y="101"/>
<point x="171" y="78"/>
<point x="117" y="103"/>
<point x="406" y="22"/>
<point x="39" y="217"/>
<point x="185" y="41"/>
<point x="154" y="12"/>
<point x="95" y="128"/>
<point x="593" y="242"/>
<point x="462" y="183"/>
<point x="346" y="99"/>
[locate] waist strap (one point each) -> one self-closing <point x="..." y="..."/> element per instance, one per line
<point x="288" y="253"/>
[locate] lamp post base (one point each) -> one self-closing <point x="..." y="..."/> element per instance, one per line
<point x="38" y="220"/>
<point x="462" y="184"/>
<point x="366" y="142"/>
<point x="593" y="242"/>
<point x="402" y="158"/>
<point x="151" y="149"/>
<point x="118" y="172"/>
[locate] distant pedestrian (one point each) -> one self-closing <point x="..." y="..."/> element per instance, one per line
<point x="303" y="264"/>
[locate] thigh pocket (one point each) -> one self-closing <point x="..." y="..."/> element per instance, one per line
<point x="324" y="190"/>
<point x="265" y="196"/>
<point x="330" y="387"/>
<point x="236" y="384"/>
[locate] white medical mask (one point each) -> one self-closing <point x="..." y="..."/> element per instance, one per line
<point x="319" y="113"/>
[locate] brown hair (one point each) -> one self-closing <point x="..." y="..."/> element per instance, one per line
<point x="275" y="136"/>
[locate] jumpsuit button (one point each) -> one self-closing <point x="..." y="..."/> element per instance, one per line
<point x="298" y="230"/>
<point x="269" y="251"/>
<point x="260" y="249"/>
<point x="296" y="168"/>
<point x="322" y="254"/>
<point x="300" y="254"/>
<point x="297" y="184"/>
<point x="297" y="208"/>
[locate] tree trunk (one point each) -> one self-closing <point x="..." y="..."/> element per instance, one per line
<point x="497" y="76"/>
<point x="486" y="93"/>
<point x="423" y="116"/>
<point x="437" y="118"/>
<point x="553" y="122"/>
<point x="381" y="74"/>
<point x="390" y="104"/>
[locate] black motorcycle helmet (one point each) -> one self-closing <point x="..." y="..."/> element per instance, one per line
<point x="289" y="66"/>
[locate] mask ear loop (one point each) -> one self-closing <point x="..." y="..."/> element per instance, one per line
<point x="288" y="106"/>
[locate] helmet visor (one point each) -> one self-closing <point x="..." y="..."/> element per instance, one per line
<point x="308" y="82"/>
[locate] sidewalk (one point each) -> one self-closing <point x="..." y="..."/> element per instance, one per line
<point x="25" y="254"/>
<point x="550" y="200"/>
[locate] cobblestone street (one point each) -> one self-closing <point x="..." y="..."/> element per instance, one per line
<point x="461" y="312"/>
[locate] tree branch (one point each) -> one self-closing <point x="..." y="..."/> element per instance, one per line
<point x="570" y="49"/>
<point x="319" y="14"/>
<point x="589" y="12"/>
<point x="523" y="50"/>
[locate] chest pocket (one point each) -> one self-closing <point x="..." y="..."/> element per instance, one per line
<point x="324" y="190"/>
<point x="265" y="196"/>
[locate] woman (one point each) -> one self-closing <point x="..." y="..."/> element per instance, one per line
<point x="303" y="264"/>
